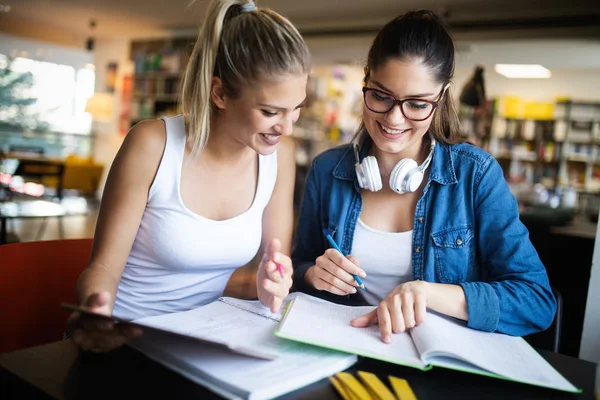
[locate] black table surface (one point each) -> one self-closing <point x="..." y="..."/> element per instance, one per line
<point x="60" y="371"/>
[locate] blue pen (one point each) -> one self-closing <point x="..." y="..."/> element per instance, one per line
<point x="335" y="246"/>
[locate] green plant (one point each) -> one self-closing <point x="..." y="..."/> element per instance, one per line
<point x="15" y="98"/>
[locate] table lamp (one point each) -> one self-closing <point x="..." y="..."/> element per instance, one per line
<point x="101" y="107"/>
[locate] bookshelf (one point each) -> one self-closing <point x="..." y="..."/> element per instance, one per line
<point x="526" y="149"/>
<point x="159" y="66"/>
<point x="580" y="162"/>
<point x="559" y="148"/>
<point x="332" y="111"/>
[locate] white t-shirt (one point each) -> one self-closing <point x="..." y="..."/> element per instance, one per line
<point x="181" y="260"/>
<point x="385" y="257"/>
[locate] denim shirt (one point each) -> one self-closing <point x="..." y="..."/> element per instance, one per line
<point x="466" y="232"/>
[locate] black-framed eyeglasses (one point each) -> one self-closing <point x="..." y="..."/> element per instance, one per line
<point x="382" y="102"/>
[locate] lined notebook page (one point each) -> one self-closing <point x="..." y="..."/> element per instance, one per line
<point x="507" y="356"/>
<point x="314" y="321"/>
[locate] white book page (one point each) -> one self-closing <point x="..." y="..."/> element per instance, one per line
<point x="220" y="322"/>
<point x="256" y="307"/>
<point x="252" y="306"/>
<point x="508" y="356"/>
<point x="314" y="321"/>
<point x="296" y="365"/>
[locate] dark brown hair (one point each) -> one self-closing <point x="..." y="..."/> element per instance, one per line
<point x="421" y="36"/>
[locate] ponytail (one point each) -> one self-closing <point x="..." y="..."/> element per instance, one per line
<point x="239" y="44"/>
<point x="197" y="82"/>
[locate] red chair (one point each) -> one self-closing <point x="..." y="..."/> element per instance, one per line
<point x="35" y="277"/>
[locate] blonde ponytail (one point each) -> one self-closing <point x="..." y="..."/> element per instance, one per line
<point x="195" y="100"/>
<point x="239" y="44"/>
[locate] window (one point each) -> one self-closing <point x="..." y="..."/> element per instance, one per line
<point x="60" y="91"/>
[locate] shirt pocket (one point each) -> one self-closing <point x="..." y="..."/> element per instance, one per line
<point x="453" y="250"/>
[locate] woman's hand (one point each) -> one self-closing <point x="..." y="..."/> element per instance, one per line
<point x="274" y="278"/>
<point x="404" y="308"/>
<point x="333" y="273"/>
<point x="95" y="334"/>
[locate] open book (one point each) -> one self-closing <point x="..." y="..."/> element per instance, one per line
<point x="237" y="323"/>
<point x="178" y="333"/>
<point x="439" y="341"/>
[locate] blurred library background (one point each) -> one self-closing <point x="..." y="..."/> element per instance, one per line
<point x="75" y="76"/>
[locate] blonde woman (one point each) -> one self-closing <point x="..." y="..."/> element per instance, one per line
<point x="192" y="198"/>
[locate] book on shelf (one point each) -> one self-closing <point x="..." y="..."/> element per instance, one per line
<point x="439" y="341"/>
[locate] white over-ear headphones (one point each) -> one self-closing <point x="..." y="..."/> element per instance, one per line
<point x="406" y="177"/>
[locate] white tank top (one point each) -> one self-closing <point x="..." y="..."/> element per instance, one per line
<point x="385" y="257"/>
<point x="179" y="259"/>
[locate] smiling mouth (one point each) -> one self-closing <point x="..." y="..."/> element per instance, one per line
<point x="271" y="138"/>
<point x="391" y="131"/>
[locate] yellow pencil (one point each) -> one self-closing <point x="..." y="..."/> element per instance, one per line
<point x="378" y="388"/>
<point x="353" y="386"/>
<point x="340" y="388"/>
<point x="402" y="388"/>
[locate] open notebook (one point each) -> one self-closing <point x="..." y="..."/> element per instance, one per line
<point x="439" y="341"/>
<point x="237" y="323"/>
